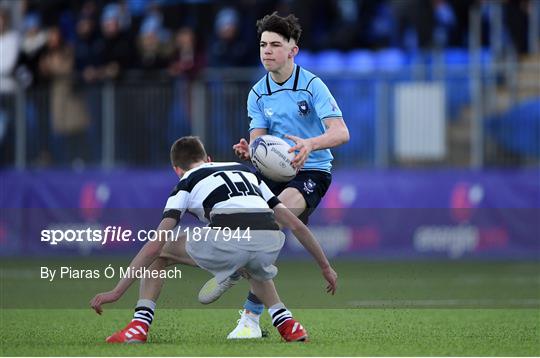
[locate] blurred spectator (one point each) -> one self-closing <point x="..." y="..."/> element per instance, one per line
<point x="458" y="33"/>
<point x="89" y="49"/>
<point x="32" y="47"/>
<point x="69" y="118"/>
<point x="28" y="73"/>
<point x="229" y="49"/>
<point x="187" y="59"/>
<point x="124" y="16"/>
<point x="345" y="34"/>
<point x="367" y="11"/>
<point x="153" y="10"/>
<point x="154" y="50"/>
<point x="136" y="7"/>
<point x="89" y="9"/>
<point x="9" y="45"/>
<point x="416" y="15"/>
<point x="445" y="20"/>
<point x="517" y="21"/>
<point x="118" y="51"/>
<point x="50" y="11"/>
<point x="382" y="27"/>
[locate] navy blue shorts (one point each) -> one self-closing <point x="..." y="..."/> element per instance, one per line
<point x="312" y="184"/>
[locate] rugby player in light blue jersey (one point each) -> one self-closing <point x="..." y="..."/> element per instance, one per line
<point x="294" y="104"/>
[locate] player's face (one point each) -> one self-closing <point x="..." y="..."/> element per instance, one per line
<point x="276" y="51"/>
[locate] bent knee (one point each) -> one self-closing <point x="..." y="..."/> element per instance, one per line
<point x="293" y="200"/>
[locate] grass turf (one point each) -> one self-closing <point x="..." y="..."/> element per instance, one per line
<point x="333" y="332"/>
<point x="381" y="308"/>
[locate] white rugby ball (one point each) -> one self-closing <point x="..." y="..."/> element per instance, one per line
<point x="270" y="156"/>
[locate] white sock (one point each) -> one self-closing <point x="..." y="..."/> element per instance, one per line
<point x="144" y="311"/>
<point x="279" y="314"/>
<point x="143" y="302"/>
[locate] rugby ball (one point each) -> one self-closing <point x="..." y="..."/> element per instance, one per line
<point x="270" y="156"/>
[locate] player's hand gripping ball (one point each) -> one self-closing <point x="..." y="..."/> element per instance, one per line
<point x="270" y="156"/>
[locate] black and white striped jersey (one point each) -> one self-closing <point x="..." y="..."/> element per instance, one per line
<point x="219" y="187"/>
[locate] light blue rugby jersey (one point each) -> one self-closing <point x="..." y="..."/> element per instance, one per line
<point x="298" y="107"/>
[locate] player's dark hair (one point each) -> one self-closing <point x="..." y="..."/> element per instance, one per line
<point x="186" y="151"/>
<point x="288" y="27"/>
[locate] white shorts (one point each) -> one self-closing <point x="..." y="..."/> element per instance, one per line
<point x="223" y="258"/>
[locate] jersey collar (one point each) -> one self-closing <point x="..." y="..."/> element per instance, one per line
<point x="295" y="75"/>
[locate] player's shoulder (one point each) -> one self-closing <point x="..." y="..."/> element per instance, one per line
<point x="207" y="169"/>
<point x="182" y="185"/>
<point x="306" y="74"/>
<point x="187" y="181"/>
<point x="194" y="176"/>
<point x="236" y="167"/>
<point x="259" y="88"/>
<point x="306" y="79"/>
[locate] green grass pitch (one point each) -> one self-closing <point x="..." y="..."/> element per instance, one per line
<point x="381" y="309"/>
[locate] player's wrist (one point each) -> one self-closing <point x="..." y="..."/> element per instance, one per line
<point x="312" y="145"/>
<point x="117" y="292"/>
<point x="325" y="266"/>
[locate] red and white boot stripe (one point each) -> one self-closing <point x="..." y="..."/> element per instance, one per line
<point x="135" y="332"/>
<point x="292" y="331"/>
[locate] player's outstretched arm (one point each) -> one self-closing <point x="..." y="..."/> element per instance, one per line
<point x="148" y="253"/>
<point x="241" y="149"/>
<point x="287" y="219"/>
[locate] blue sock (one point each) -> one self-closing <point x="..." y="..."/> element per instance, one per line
<point x="253" y="304"/>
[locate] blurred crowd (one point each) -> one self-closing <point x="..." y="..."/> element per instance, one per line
<point x="57" y="43"/>
<point x="101" y="39"/>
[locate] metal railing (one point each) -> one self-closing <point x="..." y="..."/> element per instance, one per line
<point x="134" y="123"/>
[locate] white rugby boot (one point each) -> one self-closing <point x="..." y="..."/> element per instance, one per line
<point x="212" y="291"/>
<point x="247" y="328"/>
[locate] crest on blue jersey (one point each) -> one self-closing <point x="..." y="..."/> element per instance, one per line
<point x="303" y="108"/>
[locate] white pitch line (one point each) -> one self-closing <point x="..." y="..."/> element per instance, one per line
<point x="523" y="302"/>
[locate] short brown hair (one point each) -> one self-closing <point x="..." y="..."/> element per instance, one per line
<point x="288" y="27"/>
<point x="186" y="151"/>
